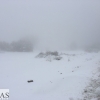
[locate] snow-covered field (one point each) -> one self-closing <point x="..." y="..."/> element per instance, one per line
<point x="56" y="80"/>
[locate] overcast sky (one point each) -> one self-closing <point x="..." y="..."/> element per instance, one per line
<point x="54" y="23"/>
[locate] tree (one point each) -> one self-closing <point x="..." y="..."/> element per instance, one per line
<point x="23" y="45"/>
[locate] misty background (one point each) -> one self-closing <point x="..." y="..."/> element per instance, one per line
<point x="51" y="24"/>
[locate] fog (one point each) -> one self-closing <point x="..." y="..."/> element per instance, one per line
<point x="53" y="24"/>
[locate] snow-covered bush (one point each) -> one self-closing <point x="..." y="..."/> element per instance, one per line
<point x="55" y="53"/>
<point x="49" y="55"/>
<point x="97" y="91"/>
<point x="40" y="55"/>
<point x="58" y="58"/>
<point x="93" y="90"/>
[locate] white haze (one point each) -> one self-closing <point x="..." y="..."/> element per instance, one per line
<point x="54" y="24"/>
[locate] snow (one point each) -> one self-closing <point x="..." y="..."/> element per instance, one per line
<point x="56" y="80"/>
<point x="98" y="91"/>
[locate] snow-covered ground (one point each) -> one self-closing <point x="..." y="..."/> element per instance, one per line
<point x="56" y="80"/>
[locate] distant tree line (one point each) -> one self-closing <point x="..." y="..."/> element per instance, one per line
<point x="93" y="48"/>
<point x="23" y="45"/>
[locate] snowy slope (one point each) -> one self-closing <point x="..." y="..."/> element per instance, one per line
<point x="55" y="80"/>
